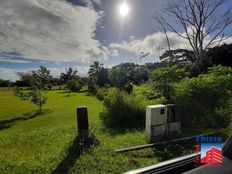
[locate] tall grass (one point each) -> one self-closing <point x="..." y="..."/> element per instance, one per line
<point x="123" y="111"/>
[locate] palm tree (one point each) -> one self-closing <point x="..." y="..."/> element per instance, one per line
<point x="69" y="75"/>
<point x="94" y="69"/>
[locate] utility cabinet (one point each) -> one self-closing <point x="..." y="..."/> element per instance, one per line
<point x="155" y="122"/>
<point x="173" y="119"/>
<point x="161" y="121"/>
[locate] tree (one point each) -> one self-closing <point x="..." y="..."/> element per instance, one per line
<point x="92" y="86"/>
<point x="178" y="56"/>
<point x="70" y="74"/>
<point x="206" y="99"/>
<point x="38" y="80"/>
<point x="220" y="55"/>
<point x="203" y="24"/>
<point x="94" y="69"/>
<point x="103" y="77"/>
<point x="74" y="85"/>
<point x="119" y="77"/>
<point x="164" y="80"/>
<point x="98" y="74"/>
<point x="5" y="83"/>
<point x="135" y="73"/>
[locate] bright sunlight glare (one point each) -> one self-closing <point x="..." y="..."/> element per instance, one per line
<point x="123" y="9"/>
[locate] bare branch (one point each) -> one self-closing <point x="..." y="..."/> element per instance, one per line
<point x="200" y="20"/>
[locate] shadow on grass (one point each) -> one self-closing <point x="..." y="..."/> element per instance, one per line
<point x="168" y="152"/>
<point x="74" y="152"/>
<point x="5" y="124"/>
<point x="67" y="163"/>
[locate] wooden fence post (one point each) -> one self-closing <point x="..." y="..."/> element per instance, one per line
<point x="82" y="122"/>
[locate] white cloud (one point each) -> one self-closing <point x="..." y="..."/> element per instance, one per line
<point x="228" y="40"/>
<point x="8" y="74"/>
<point x="156" y="43"/>
<point x="90" y="2"/>
<point x="97" y="1"/>
<point x="11" y="74"/>
<point x="153" y="44"/>
<point x="53" y="30"/>
<point x="82" y="70"/>
<point x="13" y="61"/>
<point x="114" y="52"/>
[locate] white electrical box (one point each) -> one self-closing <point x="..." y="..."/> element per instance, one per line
<point x="155" y="122"/>
<point x="162" y="121"/>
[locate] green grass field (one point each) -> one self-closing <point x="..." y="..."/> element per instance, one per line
<point x="31" y="143"/>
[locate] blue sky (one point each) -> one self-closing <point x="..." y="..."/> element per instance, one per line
<point x="73" y="33"/>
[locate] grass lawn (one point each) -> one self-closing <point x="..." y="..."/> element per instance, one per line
<point x="32" y="143"/>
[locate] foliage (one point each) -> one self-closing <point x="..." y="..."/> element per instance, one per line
<point x="122" y="111"/>
<point x="128" y="88"/>
<point x="136" y="74"/>
<point x="102" y="93"/>
<point x="55" y="81"/>
<point x="102" y="77"/>
<point x="74" y="85"/>
<point x="92" y="86"/>
<point x="94" y="68"/>
<point x="21" y="83"/>
<point x="39" y="81"/>
<point x="164" y="80"/>
<point x="70" y="74"/>
<point x="5" y="83"/>
<point x="139" y="75"/>
<point x="219" y="55"/>
<point x="206" y="98"/>
<point x="98" y="75"/>
<point x="178" y="56"/>
<point x="119" y="77"/>
<point x="85" y="80"/>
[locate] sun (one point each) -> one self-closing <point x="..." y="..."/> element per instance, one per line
<point x="124" y="9"/>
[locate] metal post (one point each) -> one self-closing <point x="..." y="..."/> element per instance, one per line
<point x="82" y="122"/>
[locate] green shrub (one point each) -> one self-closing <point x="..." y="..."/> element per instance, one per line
<point x="206" y="98"/>
<point x="92" y="86"/>
<point x="102" y="93"/>
<point x="128" y="88"/>
<point x="164" y="80"/>
<point x="119" y="77"/>
<point x="122" y="111"/>
<point x="74" y="85"/>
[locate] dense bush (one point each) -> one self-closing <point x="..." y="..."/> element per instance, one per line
<point x="122" y="111"/>
<point x="206" y="98"/>
<point x="74" y="85"/>
<point x="119" y="77"/>
<point x="92" y="86"/>
<point x="5" y="83"/>
<point x="164" y="80"/>
<point x="102" y="93"/>
<point x="128" y="88"/>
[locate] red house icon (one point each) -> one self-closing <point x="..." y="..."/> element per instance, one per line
<point x="213" y="156"/>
